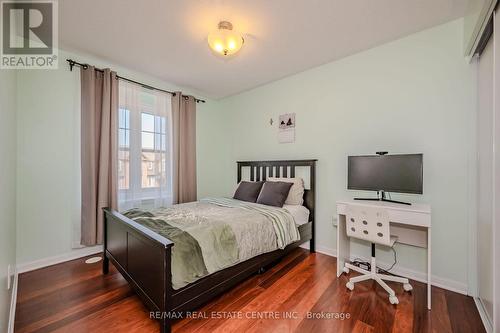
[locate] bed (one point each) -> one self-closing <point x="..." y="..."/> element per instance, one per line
<point x="144" y="257"/>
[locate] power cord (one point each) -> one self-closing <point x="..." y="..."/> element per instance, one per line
<point x="367" y="265"/>
<point x="393" y="264"/>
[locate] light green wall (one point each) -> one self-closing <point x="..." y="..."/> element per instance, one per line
<point x="7" y="187"/>
<point x="48" y="150"/>
<point x="416" y="94"/>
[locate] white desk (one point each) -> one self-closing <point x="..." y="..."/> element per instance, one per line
<point x="412" y="225"/>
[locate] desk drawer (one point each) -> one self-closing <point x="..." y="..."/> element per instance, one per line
<point x="411" y="218"/>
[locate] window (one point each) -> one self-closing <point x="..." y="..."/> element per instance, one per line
<point x="153" y="136"/>
<point x="144" y="163"/>
<point x="123" y="149"/>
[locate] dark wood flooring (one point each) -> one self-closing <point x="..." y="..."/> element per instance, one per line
<point x="75" y="297"/>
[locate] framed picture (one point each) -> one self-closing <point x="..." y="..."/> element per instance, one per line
<point x="286" y="129"/>
<point x="287" y="121"/>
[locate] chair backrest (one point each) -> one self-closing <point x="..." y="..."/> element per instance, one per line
<point x="368" y="223"/>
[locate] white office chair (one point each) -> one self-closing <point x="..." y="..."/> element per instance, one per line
<point x="372" y="224"/>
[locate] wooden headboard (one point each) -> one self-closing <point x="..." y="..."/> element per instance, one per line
<point x="260" y="170"/>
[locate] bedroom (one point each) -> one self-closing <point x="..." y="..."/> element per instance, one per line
<point x="347" y="78"/>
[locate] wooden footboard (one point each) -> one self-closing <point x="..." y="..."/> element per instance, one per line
<point x="143" y="258"/>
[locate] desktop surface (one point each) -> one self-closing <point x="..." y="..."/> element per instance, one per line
<point x="414" y="207"/>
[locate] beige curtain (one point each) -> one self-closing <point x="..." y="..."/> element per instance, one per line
<point x="184" y="148"/>
<point x="99" y="134"/>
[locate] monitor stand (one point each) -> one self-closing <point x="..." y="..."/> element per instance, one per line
<point x="381" y="197"/>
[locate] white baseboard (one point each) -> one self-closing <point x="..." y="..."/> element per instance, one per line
<point x="13" y="302"/>
<point x="75" y="254"/>
<point x="437" y="281"/>
<point x="484" y="316"/>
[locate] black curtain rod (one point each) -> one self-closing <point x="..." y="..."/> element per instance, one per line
<point x="73" y="63"/>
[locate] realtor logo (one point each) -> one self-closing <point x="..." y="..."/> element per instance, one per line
<point x="29" y="35"/>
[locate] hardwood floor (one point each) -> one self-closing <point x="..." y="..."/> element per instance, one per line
<point x="75" y="297"/>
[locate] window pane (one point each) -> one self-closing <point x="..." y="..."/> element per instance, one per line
<point x="150" y="170"/>
<point x="158" y="124"/>
<point x="153" y="144"/>
<point x="148" y="122"/>
<point x="164" y="142"/>
<point x="148" y="141"/>
<point x="121" y="137"/>
<point x="124" y="146"/>
<point x="124" y="138"/>
<point x="123" y="118"/>
<point x="163" y="125"/>
<point x="123" y="169"/>
<point x="157" y="141"/>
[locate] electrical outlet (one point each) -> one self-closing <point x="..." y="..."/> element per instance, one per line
<point x="334" y="220"/>
<point x="9" y="274"/>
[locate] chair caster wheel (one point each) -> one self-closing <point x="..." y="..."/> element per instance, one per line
<point x="407" y="287"/>
<point x="346" y="270"/>
<point x="350" y="285"/>
<point x="393" y="300"/>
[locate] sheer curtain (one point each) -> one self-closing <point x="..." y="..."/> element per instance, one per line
<point x="145" y="148"/>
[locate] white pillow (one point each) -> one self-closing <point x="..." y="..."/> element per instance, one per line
<point x="296" y="194"/>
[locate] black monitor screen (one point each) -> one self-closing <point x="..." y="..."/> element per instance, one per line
<point x="391" y="173"/>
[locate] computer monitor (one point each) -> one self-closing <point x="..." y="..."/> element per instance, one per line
<point x="386" y="173"/>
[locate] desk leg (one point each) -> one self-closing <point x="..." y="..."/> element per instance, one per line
<point x="343" y="245"/>
<point x="429" y="265"/>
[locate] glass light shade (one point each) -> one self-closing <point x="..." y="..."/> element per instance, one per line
<point x="225" y="41"/>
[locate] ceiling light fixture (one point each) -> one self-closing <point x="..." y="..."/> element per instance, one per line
<point x="224" y="40"/>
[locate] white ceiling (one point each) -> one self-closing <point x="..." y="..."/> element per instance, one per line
<point x="167" y="38"/>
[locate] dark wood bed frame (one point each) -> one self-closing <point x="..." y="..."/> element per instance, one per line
<point x="143" y="256"/>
